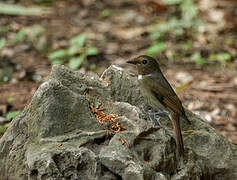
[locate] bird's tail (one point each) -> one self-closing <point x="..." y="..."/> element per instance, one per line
<point x="178" y="134"/>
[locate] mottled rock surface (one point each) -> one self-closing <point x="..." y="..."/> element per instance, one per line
<point x="57" y="136"/>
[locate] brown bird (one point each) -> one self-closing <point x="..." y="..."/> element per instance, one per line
<point x="158" y="92"/>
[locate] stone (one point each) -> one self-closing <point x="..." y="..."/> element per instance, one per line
<point x="91" y="128"/>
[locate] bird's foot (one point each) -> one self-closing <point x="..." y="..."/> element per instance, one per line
<point x="154" y="115"/>
<point x="154" y="118"/>
<point x="161" y="112"/>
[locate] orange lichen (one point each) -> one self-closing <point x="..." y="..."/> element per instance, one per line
<point x="60" y="145"/>
<point x="101" y="117"/>
<point x="189" y="132"/>
<point x="117" y="127"/>
<point x="123" y="141"/>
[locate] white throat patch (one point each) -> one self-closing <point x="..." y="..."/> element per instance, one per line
<point x="139" y="77"/>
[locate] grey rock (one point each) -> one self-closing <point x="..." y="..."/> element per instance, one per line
<point x="58" y="137"/>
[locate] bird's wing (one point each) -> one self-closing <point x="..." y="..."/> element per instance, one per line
<point x="166" y="95"/>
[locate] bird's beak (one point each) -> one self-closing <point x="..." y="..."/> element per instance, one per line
<point x="131" y="62"/>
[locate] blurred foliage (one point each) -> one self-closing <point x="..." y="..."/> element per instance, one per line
<point x="13" y="9"/>
<point x="6" y="70"/>
<point x="12" y="114"/>
<point x="5" y="74"/>
<point x="75" y="54"/>
<point x="197" y="58"/>
<point x="10" y="99"/>
<point x="2" y="43"/>
<point x="179" y="32"/>
<point x="156" y="48"/>
<point x="32" y="34"/>
<point x="5" y="29"/>
<point x="105" y="13"/>
<point x="180" y="23"/>
<point x="3" y="128"/>
<point x="221" y="57"/>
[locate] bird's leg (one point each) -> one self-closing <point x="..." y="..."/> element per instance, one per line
<point x="155" y="119"/>
<point x="153" y="116"/>
<point x="161" y="112"/>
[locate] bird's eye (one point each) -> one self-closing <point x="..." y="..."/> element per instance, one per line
<point x="144" y="62"/>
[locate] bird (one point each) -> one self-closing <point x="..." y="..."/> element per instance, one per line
<point x="158" y="93"/>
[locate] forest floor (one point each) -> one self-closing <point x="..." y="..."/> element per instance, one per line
<point x="120" y="30"/>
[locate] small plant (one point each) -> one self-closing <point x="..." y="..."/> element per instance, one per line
<point x="33" y="35"/>
<point x="30" y="34"/>
<point x="221" y="57"/>
<point x="12" y="114"/>
<point x="76" y="53"/>
<point x="181" y="25"/>
<point x="177" y="25"/>
<point x="105" y="13"/>
<point x="156" y="48"/>
<point x="197" y="58"/>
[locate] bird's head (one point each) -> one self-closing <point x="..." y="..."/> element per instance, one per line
<point x="145" y="64"/>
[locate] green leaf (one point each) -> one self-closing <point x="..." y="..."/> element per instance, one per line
<point x="2" y="43"/>
<point x="105" y="13"/>
<point x="19" y="37"/>
<point x="75" y="62"/>
<point x="34" y="32"/>
<point x="13" y="9"/>
<point x="186" y="45"/>
<point x="172" y="2"/>
<point x="172" y="26"/>
<point x="72" y="50"/>
<point x="189" y="10"/>
<point x="91" y="51"/>
<point x="196" y="57"/>
<point x="12" y="115"/>
<point x="58" y="54"/>
<point x="156" y="48"/>
<point x="223" y="57"/>
<point x="57" y="61"/>
<point x="79" y="40"/>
